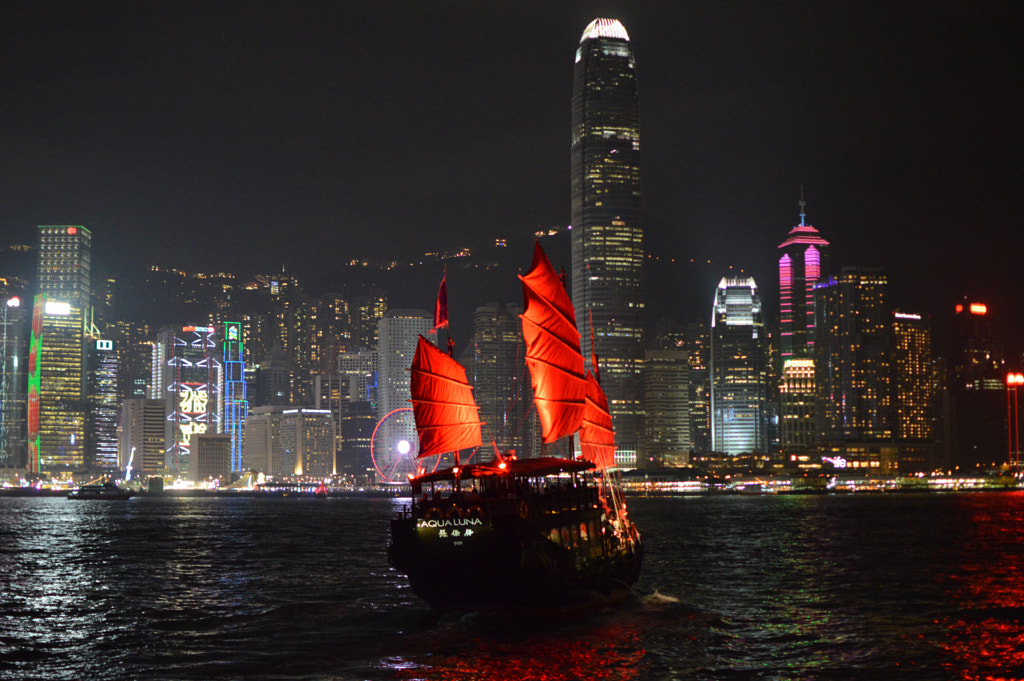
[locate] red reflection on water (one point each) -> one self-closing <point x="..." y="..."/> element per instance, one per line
<point x="611" y="652"/>
<point x="987" y="639"/>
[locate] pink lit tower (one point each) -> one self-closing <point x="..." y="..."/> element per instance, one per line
<point x="803" y="263"/>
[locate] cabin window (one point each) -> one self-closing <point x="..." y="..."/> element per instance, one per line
<point x="584" y="535"/>
<point x="555" y="536"/>
<point x="566" y="539"/>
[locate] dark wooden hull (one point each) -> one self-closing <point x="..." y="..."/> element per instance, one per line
<point x="544" y="559"/>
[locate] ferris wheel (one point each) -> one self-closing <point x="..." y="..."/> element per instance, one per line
<point x="394" y="445"/>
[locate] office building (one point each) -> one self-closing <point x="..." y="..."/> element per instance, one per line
<point x="739" y="377"/>
<point x="698" y="351"/>
<point x="101" y="422"/>
<point x="211" y="457"/>
<point x="852" y="359"/>
<point x="14" y="341"/>
<point x="913" y="396"/>
<point x="797" y="397"/>
<point x="188" y="374"/>
<point x="61" y="318"/>
<point x="497" y="375"/>
<point x="667" y="400"/>
<point x="399" y="331"/>
<point x="607" y="230"/>
<point x="236" y="406"/>
<point x="307" y="442"/>
<point x="803" y="263"/>
<point x="141" y="437"/>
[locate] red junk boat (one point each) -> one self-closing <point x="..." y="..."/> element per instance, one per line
<point x="511" y="533"/>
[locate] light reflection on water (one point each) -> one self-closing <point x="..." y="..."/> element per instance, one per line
<point x="829" y="587"/>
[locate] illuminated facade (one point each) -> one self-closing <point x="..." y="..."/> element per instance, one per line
<point x="14" y="342"/>
<point x="188" y="374"/>
<point x="796" y="401"/>
<point x="57" y="402"/>
<point x="803" y="263"/>
<point x="399" y="331"/>
<point x="236" y="407"/>
<point x="498" y="365"/>
<point x="359" y="369"/>
<point x="698" y="348"/>
<point x="56" y="389"/>
<point x="667" y="400"/>
<point x="307" y="442"/>
<point x="262" y="442"/>
<point x="101" y="446"/>
<point x="739" y="378"/>
<point x="65" y="264"/>
<point x="912" y="383"/>
<point x="852" y="360"/>
<point x="607" y="234"/>
<point x="367" y="311"/>
<point x="141" y="437"/>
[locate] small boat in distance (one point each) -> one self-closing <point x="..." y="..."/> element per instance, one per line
<point x="104" y="490"/>
<point x="538" y="536"/>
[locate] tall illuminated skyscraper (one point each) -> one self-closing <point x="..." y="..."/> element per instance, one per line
<point x="57" y="403"/>
<point x="852" y="357"/>
<point x="912" y="383"/>
<point x="739" y="377"/>
<point x="236" y="407"/>
<point x="188" y="374"/>
<point x="804" y="262"/>
<point x="607" y="234"/>
<point x="399" y="332"/>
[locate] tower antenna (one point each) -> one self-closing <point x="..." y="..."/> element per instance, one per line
<point x="803" y="206"/>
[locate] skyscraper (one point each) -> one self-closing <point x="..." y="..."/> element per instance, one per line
<point x="188" y="373"/>
<point x="852" y="359"/>
<point x="236" y="406"/>
<point x="803" y="263"/>
<point x="101" y="425"/>
<point x="13" y="380"/>
<point x="667" y="398"/>
<point x="739" y="377"/>
<point x="912" y="382"/>
<point x="607" y="234"/>
<point x="398" y="331"/>
<point x="57" y="368"/>
<point x="498" y="367"/>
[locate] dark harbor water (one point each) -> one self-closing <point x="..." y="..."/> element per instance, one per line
<point x="734" y="587"/>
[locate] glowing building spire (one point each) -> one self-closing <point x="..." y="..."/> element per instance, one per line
<point x="804" y="262"/>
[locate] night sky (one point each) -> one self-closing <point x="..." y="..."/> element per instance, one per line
<point x="242" y="135"/>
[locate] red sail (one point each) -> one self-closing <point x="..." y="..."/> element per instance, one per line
<point x="552" y="350"/>
<point x="597" y="438"/>
<point x="446" y="414"/>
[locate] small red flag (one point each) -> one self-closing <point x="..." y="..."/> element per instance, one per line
<point x="441" y="306"/>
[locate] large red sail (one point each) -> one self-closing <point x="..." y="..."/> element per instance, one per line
<point x="446" y="414"/>
<point x="597" y="438"/>
<point x="552" y="350"/>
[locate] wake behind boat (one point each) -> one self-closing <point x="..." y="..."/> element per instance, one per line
<point x="546" y="533"/>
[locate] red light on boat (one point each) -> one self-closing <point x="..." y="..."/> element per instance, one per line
<point x="502" y="465"/>
<point x="979" y="308"/>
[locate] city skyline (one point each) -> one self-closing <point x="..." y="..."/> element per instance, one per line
<point x="214" y="139"/>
